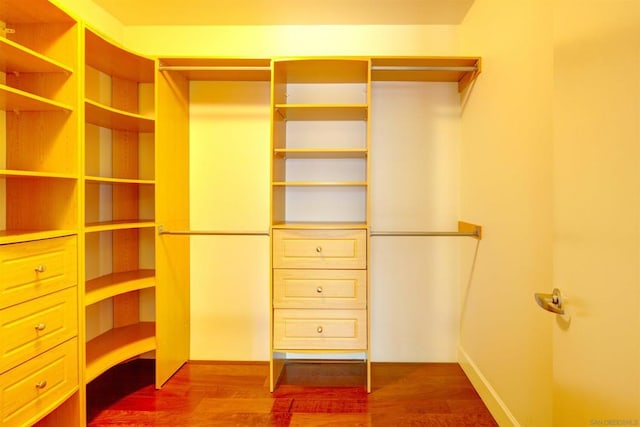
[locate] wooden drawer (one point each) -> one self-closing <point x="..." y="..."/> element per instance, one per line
<point x="341" y="289"/>
<point x="339" y="249"/>
<point x="319" y="329"/>
<point x="35" y="326"/>
<point x="31" y="269"/>
<point x="30" y="390"/>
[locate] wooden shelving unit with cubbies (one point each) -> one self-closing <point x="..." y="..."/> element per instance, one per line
<point x="39" y="214"/>
<point x="320" y="186"/>
<point x="119" y="194"/>
<point x="39" y="156"/>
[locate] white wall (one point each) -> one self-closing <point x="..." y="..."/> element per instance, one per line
<point x="506" y="185"/>
<point x="415" y="137"/>
<point x="229" y="150"/>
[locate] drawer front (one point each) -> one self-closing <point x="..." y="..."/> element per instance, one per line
<point x="39" y="384"/>
<point x="320" y="329"/>
<point x="35" y="326"/>
<point x="341" y="289"/>
<point x="340" y="249"/>
<point x="31" y="269"/>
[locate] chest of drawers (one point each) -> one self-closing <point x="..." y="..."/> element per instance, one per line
<point x="320" y="291"/>
<point x="38" y="328"/>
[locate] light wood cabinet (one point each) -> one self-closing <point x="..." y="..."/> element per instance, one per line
<point x="320" y="173"/>
<point x="119" y="204"/>
<point x="39" y="213"/>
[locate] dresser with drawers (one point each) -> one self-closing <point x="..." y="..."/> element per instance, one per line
<point x="38" y="327"/>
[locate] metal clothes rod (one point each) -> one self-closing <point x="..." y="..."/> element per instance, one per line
<point x="422" y="233"/>
<point x="425" y="68"/>
<point x="212" y="232"/>
<point x="211" y="68"/>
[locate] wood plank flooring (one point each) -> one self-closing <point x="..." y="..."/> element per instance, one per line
<point x="310" y="394"/>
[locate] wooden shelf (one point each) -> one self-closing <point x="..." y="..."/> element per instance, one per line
<point x="220" y="69"/>
<point x="17" y="100"/>
<point x="322" y="225"/>
<point x="104" y="287"/>
<point x="15" y="236"/>
<point x="322" y="112"/>
<point x="319" y="184"/>
<point x="108" y="180"/>
<point x="117" y="345"/>
<point x="96" y="227"/>
<point x="110" y="59"/>
<point x="462" y="70"/>
<point x="112" y="118"/>
<point x="12" y="173"/>
<point x="17" y="58"/>
<point x="321" y="153"/>
<point x="323" y="70"/>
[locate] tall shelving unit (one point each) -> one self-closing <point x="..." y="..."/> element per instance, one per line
<point x="39" y="214"/>
<point x="320" y="141"/>
<point x="119" y="195"/>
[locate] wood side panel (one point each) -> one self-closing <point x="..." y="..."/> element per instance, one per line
<point x="172" y="211"/>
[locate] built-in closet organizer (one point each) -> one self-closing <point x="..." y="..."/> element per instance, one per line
<point x="320" y="204"/>
<point x="39" y="214"/>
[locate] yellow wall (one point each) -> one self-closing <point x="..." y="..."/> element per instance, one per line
<point x="266" y="41"/>
<point x="93" y="14"/>
<point x="506" y="185"/>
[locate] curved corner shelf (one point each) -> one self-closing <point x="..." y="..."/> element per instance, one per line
<point x="96" y="227"/>
<point x="110" y="285"/>
<point x="117" y="345"/>
<point x="112" y="118"/>
<point x="115" y="61"/>
<point x="109" y="180"/>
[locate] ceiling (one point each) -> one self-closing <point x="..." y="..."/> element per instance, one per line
<point x="287" y="12"/>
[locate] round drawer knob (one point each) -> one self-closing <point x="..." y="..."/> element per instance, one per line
<point x="319" y="329"/>
<point x="319" y="289"/>
<point x="319" y="249"/>
<point x="41" y="326"/>
<point x="41" y="384"/>
<point x="41" y="268"/>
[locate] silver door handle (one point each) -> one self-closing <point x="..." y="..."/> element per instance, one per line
<point x="551" y="302"/>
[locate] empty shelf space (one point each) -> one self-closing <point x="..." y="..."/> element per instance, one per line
<point x="104" y="287"/>
<point x="112" y="118"/>
<point x="109" y="180"/>
<point x="325" y="112"/>
<point x="117" y="345"/>
<point x="15" y="58"/>
<point x="95" y="227"/>
<point x="321" y="153"/>
<point x="17" y="100"/>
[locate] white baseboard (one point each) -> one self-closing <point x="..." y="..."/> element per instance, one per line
<point x="487" y="393"/>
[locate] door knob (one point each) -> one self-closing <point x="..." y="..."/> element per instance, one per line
<point x="551" y="302"/>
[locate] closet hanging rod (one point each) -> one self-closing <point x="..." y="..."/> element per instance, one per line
<point x="212" y="68"/>
<point x="421" y="68"/>
<point x="161" y="230"/>
<point x="422" y="233"/>
<point x="465" y="229"/>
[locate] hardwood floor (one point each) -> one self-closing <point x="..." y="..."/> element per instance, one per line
<point x="310" y="394"/>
